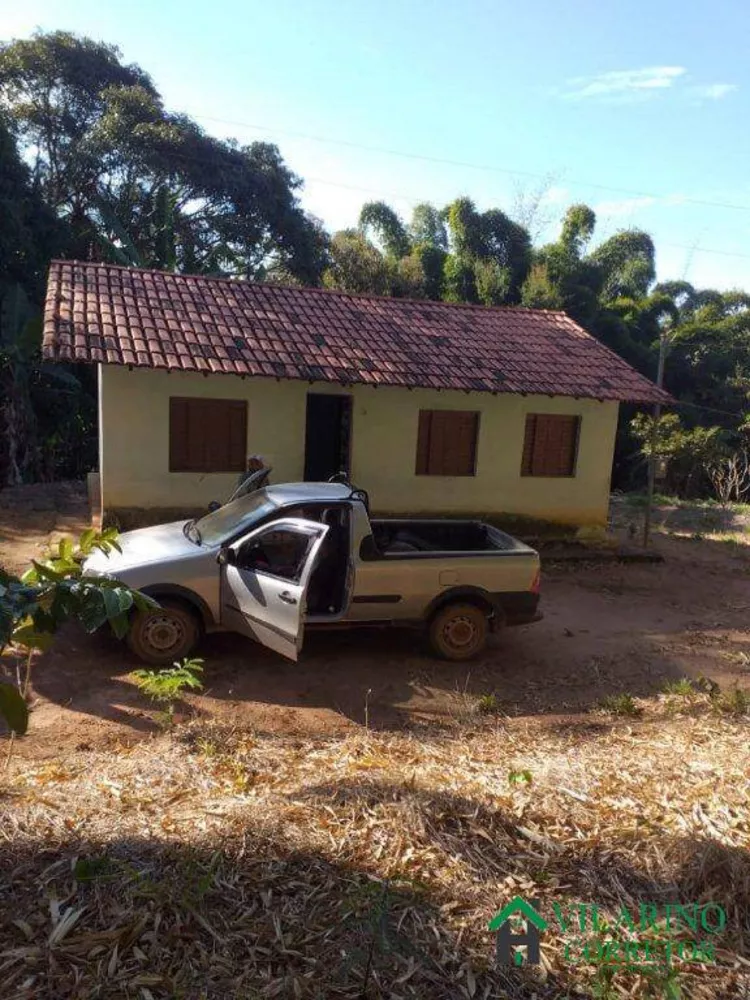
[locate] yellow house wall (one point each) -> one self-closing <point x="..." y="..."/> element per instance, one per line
<point x="134" y="453"/>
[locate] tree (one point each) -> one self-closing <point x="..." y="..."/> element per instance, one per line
<point x="460" y="280"/>
<point x="380" y="218"/>
<point x="356" y="265"/>
<point x="104" y="148"/>
<point x="538" y="291"/>
<point x="30" y="234"/>
<point x="626" y="264"/>
<point x="491" y="255"/>
<point x="730" y="477"/>
<point x="492" y="282"/>
<point x="688" y="454"/>
<point x="429" y="263"/>
<point x="577" y="229"/>
<point x="562" y="267"/>
<point x="427" y="227"/>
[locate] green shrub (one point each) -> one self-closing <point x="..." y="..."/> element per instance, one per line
<point x="165" y="686"/>
<point x="621" y="704"/>
<point x="50" y="593"/>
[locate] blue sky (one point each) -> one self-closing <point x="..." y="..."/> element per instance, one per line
<point x="647" y="100"/>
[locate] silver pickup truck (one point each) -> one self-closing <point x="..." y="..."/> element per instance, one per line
<point x="285" y="558"/>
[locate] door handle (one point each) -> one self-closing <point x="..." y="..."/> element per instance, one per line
<point x="287" y="598"/>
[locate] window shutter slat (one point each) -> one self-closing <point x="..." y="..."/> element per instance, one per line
<point x="439" y="444"/>
<point x="569" y="446"/>
<point x="555" y="461"/>
<point x="201" y="431"/>
<point x="540" y="452"/>
<point x="528" y="445"/>
<point x="178" y="434"/>
<point x="467" y="427"/>
<point x="423" y="442"/>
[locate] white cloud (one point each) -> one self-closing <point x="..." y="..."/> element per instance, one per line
<point x="714" y="91"/>
<point x="624" y="85"/>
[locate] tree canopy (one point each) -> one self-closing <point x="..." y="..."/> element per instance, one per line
<point x="139" y="184"/>
<point x="92" y="165"/>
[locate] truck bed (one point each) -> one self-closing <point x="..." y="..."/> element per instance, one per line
<point x="414" y="536"/>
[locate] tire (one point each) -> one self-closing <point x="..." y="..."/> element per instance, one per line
<point x="458" y="631"/>
<point x="164" y="634"/>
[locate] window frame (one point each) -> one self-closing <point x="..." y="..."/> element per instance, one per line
<point x="296" y="580"/>
<point x="527" y="450"/>
<point x="425" y="418"/>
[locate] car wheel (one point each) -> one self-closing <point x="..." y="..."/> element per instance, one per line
<point x="164" y="634"/>
<point x="458" y="631"/>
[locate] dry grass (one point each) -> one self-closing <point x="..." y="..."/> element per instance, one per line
<point x="686" y="520"/>
<point x="223" y="864"/>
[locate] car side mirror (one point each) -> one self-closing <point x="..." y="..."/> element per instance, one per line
<point x="226" y="557"/>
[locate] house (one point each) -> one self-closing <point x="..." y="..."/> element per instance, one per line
<point x="431" y="407"/>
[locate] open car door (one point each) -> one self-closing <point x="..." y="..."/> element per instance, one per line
<point x="264" y="579"/>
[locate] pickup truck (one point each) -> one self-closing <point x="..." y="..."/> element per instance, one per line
<point x="281" y="559"/>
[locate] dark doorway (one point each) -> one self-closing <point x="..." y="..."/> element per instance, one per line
<point x="327" y="436"/>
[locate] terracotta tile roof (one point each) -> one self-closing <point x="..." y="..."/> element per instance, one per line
<point x="124" y="316"/>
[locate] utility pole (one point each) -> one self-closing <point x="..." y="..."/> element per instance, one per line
<point x="654" y="439"/>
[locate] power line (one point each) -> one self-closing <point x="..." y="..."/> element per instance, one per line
<point x="697" y="249"/>
<point x="465" y="164"/>
<point x="179" y="154"/>
<point x="677" y="404"/>
<point x="416" y="201"/>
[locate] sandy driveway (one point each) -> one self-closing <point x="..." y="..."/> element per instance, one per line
<point x="607" y="629"/>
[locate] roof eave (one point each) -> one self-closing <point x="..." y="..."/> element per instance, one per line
<point x="646" y="398"/>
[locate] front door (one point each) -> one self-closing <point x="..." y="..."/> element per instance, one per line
<point x="264" y="581"/>
<point x="327" y="436"/>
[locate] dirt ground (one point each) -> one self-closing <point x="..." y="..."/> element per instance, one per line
<point x="607" y="629"/>
<point x="347" y="826"/>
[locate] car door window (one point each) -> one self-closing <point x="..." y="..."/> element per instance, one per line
<point x="279" y="552"/>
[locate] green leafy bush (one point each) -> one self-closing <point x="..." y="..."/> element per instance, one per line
<point x="621" y="704"/>
<point x="50" y="593"/>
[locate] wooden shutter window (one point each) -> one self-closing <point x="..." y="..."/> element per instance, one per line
<point x="207" y="435"/>
<point x="550" y="445"/>
<point x="447" y="443"/>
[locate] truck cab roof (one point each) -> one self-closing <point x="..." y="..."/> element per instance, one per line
<point x="294" y="493"/>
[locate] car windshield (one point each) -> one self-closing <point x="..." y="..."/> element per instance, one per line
<point x="227" y="521"/>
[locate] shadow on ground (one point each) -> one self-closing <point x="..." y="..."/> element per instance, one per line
<point x="375" y="677"/>
<point x="251" y="915"/>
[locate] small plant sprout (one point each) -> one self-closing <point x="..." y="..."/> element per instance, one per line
<point x="520" y="777"/>
<point x="621" y="704"/>
<point x="735" y="702"/>
<point x="488" y="704"/>
<point x="683" y="687"/>
<point x="164" y="687"/>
